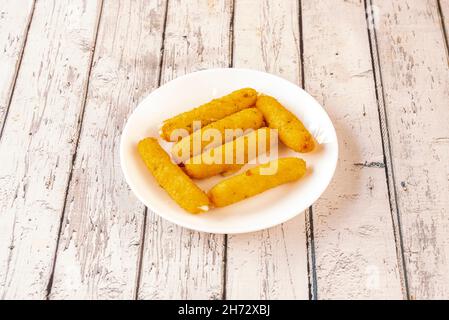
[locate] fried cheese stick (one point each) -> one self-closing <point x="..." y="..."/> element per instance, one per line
<point x="171" y="177"/>
<point x="253" y="181"/>
<point x="291" y="130"/>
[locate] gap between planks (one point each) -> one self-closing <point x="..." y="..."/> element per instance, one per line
<point x="311" y="265"/>
<point x="16" y="73"/>
<point x="443" y="27"/>
<point x="308" y="216"/>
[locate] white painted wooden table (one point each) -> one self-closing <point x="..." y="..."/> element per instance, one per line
<point x="71" y="72"/>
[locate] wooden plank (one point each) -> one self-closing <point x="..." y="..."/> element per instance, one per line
<point x="353" y="231"/>
<point x="39" y="140"/>
<point x="415" y="78"/>
<point x="270" y="264"/>
<point x="14" y="23"/>
<point x="179" y="263"/>
<point x="100" y="242"/>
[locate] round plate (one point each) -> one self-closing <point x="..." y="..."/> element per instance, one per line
<point x="262" y="211"/>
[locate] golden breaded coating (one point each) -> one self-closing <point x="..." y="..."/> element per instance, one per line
<point x="212" y="111"/>
<point x="171" y="178"/>
<point x="253" y="181"/>
<point x="195" y="143"/>
<point x="228" y="157"/>
<point x="291" y="130"/>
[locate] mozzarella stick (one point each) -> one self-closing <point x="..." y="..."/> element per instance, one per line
<point x="195" y="143"/>
<point x="230" y="156"/>
<point x="171" y="178"/>
<point x="291" y="130"/>
<point x="207" y="113"/>
<point x="257" y="180"/>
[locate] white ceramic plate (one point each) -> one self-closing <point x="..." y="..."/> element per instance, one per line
<point x="262" y="211"/>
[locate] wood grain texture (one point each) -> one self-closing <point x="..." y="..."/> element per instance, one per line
<point x="415" y="78"/>
<point x="353" y="230"/>
<point x="103" y="224"/>
<point x="270" y="264"/>
<point x="14" y="23"/>
<point x="179" y="263"/>
<point x="63" y="106"/>
<point x="38" y="142"/>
